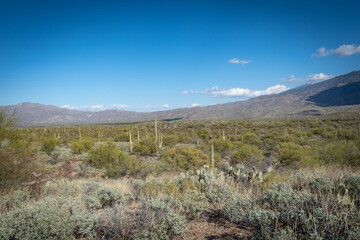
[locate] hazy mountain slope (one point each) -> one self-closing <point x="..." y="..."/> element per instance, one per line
<point x="340" y="94"/>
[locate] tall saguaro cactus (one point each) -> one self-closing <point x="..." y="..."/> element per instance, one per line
<point x="131" y="143"/>
<point x="161" y="140"/>
<point x="156" y="131"/>
<point x="212" y="158"/>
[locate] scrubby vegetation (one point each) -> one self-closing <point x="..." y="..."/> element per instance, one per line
<point x="273" y="179"/>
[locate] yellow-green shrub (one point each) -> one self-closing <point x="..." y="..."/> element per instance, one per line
<point x="115" y="162"/>
<point x="247" y="153"/>
<point x="81" y="145"/>
<point x="48" y="144"/>
<point x="183" y="159"/>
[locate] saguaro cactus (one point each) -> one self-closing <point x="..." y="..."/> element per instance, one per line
<point x="130" y="141"/>
<point x="212" y="158"/>
<point x="156" y="131"/>
<point x="161" y="140"/>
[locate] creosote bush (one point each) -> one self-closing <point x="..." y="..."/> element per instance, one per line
<point x="81" y="145"/>
<point x="223" y="146"/>
<point x="48" y="144"/>
<point x="18" y="155"/>
<point x="289" y="152"/>
<point x="247" y="153"/>
<point x="183" y="159"/>
<point x="115" y="162"/>
<point x="146" y="147"/>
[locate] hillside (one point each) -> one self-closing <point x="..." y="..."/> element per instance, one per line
<point x="339" y="94"/>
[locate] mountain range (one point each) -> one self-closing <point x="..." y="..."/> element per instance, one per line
<point x="339" y="94"/>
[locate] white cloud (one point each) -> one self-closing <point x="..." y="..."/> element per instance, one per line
<point x="343" y="50"/>
<point x="120" y="106"/>
<point x="166" y="106"/>
<point x="69" y="107"/>
<point x="94" y="107"/>
<point x="313" y="78"/>
<point x="240" y="92"/>
<point x="98" y="107"/>
<point x="237" y="61"/>
<point x="203" y="91"/>
<point x="195" y="105"/>
<point x="192" y="105"/>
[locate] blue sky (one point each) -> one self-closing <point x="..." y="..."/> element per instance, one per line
<point x="155" y="55"/>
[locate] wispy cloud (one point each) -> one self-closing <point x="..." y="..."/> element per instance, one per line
<point x="192" y="105"/>
<point x="195" y="105"/>
<point x="239" y="92"/>
<point x="313" y="78"/>
<point x="201" y="91"/>
<point x="95" y="107"/>
<point x="120" y="106"/>
<point x="165" y="106"/>
<point x="98" y="107"/>
<point x="343" y="50"/>
<point x="238" y="61"/>
<point x="70" y="107"/>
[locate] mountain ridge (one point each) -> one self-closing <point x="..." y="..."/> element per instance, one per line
<point x="330" y="96"/>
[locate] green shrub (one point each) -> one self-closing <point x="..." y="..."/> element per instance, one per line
<point x="155" y="218"/>
<point x="262" y="222"/>
<point x="251" y="138"/>
<point x="161" y="219"/>
<point x="92" y="202"/>
<point x="236" y="210"/>
<point x="160" y="186"/>
<point x="81" y="145"/>
<point x="204" y="134"/>
<point x="222" y="146"/>
<point x="104" y="156"/>
<point x="49" y="219"/>
<point x="321" y="185"/>
<point x="146" y="147"/>
<point x="184" y="158"/>
<point x="116" y="223"/>
<point x="115" y="162"/>
<point x="19" y="156"/>
<point x="162" y="202"/>
<point x="345" y="134"/>
<point x="90" y="187"/>
<point x="170" y="140"/>
<point x="13" y="201"/>
<point x="247" y="153"/>
<point x="218" y="193"/>
<point x="48" y="144"/>
<point x="342" y="153"/>
<point x="194" y="203"/>
<point x="110" y="196"/>
<point x="289" y="152"/>
<point x="122" y="137"/>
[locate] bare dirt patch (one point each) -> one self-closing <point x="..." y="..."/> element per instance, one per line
<point x="213" y="226"/>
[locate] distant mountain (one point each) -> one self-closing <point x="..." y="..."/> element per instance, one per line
<point x="339" y="94"/>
